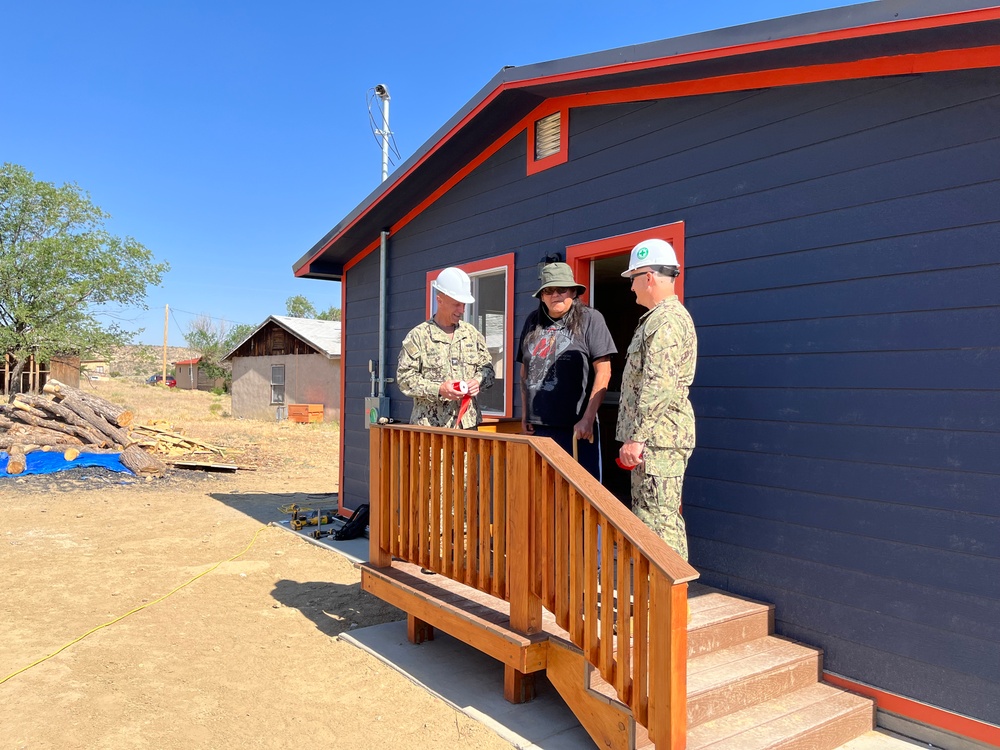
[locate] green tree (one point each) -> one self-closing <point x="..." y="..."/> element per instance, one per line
<point x="237" y="335"/>
<point x="58" y="267"/>
<point x="299" y="307"/>
<point x="210" y="337"/>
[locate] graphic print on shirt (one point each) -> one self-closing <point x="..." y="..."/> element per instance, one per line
<point x="545" y="346"/>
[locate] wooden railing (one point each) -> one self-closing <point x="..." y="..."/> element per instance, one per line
<point x="516" y="517"/>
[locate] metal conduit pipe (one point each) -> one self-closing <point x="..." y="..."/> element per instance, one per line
<point x="382" y="317"/>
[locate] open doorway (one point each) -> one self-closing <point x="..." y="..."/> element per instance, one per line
<point x="612" y="296"/>
<point x="602" y="262"/>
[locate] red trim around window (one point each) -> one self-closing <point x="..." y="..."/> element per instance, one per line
<point x="580" y="256"/>
<point x="561" y="156"/>
<point x="922" y="713"/>
<point x="478" y="267"/>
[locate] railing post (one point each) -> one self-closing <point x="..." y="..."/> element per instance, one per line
<point x="378" y="498"/>
<point x="668" y="664"/>
<point x="525" y="605"/>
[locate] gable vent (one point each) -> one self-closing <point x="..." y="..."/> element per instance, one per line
<point x="547" y="135"/>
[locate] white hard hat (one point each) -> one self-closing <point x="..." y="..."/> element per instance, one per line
<point x="651" y="252"/>
<point x="454" y="283"/>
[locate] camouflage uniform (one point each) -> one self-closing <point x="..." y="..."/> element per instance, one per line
<point x="429" y="357"/>
<point x="655" y="410"/>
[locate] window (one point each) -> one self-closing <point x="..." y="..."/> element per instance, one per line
<point x="548" y="141"/>
<point x="277" y="384"/>
<point x="491" y="313"/>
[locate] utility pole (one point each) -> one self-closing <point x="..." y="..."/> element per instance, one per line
<point x="166" y="316"/>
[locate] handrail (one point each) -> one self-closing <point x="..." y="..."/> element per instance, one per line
<point x="514" y="516"/>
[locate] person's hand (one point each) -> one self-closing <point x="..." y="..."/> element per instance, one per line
<point x="526" y="427"/>
<point x="473" y="387"/>
<point x="449" y="391"/>
<point x="631" y="453"/>
<point x="584" y="429"/>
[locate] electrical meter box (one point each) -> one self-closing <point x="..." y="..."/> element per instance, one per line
<point x="375" y="407"/>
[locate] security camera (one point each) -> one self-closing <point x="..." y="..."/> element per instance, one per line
<point x="381" y="91"/>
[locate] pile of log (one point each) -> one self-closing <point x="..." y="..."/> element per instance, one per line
<point x="67" y="419"/>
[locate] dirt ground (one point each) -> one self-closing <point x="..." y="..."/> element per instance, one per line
<point x="244" y="655"/>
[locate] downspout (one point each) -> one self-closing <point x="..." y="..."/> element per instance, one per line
<point x="382" y="317"/>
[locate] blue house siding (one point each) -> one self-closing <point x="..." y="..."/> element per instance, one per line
<point x="847" y="389"/>
<point x="843" y="271"/>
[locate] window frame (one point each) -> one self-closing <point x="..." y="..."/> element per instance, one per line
<point x="579" y="256"/>
<point x="273" y="384"/>
<point x="484" y="267"/>
<point x="562" y="155"/>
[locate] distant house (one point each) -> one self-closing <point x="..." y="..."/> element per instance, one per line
<point x="190" y="376"/>
<point x="95" y="369"/>
<point x="286" y="361"/>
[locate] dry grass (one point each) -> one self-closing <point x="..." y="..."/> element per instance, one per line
<point x="277" y="446"/>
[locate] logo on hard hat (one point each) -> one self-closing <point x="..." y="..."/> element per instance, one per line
<point x="643" y="252"/>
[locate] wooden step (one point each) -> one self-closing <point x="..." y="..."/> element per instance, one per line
<point x="731" y="679"/>
<point x="817" y="717"/>
<point x="717" y="620"/>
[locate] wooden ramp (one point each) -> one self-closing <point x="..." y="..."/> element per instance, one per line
<point x="747" y="688"/>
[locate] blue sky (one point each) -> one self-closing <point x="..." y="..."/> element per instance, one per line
<point x="228" y="137"/>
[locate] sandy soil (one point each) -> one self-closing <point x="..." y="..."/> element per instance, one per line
<point x="244" y="656"/>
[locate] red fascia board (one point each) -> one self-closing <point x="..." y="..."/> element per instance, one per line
<point x="781" y="77"/>
<point x="824" y="37"/>
<point x="899" y="65"/>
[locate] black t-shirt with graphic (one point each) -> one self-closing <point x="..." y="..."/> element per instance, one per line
<point x="560" y="367"/>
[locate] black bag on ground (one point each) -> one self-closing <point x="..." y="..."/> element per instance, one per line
<point x="354" y="526"/>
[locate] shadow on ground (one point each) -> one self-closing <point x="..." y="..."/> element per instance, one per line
<point x="335" y="607"/>
<point x="266" y="506"/>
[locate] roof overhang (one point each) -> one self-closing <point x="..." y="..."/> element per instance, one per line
<point x="830" y="42"/>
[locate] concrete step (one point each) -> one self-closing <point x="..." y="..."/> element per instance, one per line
<point x="881" y="740"/>
<point x="717" y="620"/>
<point x="731" y="679"/>
<point x="816" y="717"/>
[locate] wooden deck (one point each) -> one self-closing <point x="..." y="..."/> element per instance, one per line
<point x="506" y="544"/>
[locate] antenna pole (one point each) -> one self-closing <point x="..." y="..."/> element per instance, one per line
<point x="383" y="94"/>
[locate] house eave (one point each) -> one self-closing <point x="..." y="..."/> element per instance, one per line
<point x="848" y="34"/>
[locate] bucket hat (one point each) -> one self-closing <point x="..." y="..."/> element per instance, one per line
<point x="559" y="275"/>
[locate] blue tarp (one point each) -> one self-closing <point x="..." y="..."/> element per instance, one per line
<point x="44" y="462"/>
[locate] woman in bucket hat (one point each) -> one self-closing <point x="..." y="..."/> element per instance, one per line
<point x="565" y="354"/>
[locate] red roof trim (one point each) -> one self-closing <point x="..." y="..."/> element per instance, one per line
<point x="919" y="63"/>
<point x="857" y="32"/>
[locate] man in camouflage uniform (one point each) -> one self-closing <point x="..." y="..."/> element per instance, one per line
<point x="444" y="360"/>
<point x="655" y="418"/>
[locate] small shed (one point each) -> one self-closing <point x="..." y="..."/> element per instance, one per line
<point x="190" y="376"/>
<point x="64" y="368"/>
<point x="286" y="361"/>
